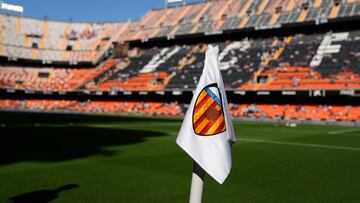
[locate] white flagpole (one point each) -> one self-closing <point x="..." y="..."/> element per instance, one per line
<point x="197" y="184"/>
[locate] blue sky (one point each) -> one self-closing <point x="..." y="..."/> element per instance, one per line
<point x="88" y="10"/>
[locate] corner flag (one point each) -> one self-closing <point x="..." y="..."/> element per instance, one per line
<point x="207" y="131"/>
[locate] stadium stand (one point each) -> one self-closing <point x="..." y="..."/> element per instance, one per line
<point x="292" y="62"/>
<point x="218" y="16"/>
<point x="297" y="112"/>
<point x="49" y="56"/>
<point x="152" y="108"/>
<point x="48" y="78"/>
<point x="150" y="70"/>
<point x="73" y="42"/>
<point x="290" y="78"/>
<point x="55" y="41"/>
<point x="286" y="112"/>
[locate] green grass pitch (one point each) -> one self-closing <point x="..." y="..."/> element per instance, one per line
<point x="79" y="158"/>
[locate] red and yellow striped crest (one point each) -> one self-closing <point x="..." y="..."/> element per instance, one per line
<point x="208" y="114"/>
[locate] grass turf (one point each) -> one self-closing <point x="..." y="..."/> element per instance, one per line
<point x="78" y="158"/>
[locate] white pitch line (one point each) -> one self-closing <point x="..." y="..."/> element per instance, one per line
<point x="343" y="131"/>
<point x="300" y="144"/>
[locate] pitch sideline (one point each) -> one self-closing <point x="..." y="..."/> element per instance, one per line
<point x="343" y="131"/>
<point x="300" y="144"/>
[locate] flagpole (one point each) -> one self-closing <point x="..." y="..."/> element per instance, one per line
<point x="197" y="183"/>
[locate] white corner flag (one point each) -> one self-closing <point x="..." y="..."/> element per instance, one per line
<point x="207" y="131"/>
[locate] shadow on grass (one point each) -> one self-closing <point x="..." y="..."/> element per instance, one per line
<point x="41" y="196"/>
<point x="63" y="143"/>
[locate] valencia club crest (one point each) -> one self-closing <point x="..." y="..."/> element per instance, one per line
<point x="208" y="114"/>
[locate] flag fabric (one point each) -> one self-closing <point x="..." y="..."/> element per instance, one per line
<point x="207" y="131"/>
